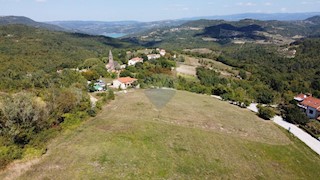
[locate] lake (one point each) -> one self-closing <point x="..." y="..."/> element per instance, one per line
<point x="114" y="35"/>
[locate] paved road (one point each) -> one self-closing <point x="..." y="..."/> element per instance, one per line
<point x="253" y="107"/>
<point x="310" y="141"/>
<point x="313" y="143"/>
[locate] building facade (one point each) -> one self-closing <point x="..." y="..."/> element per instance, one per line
<point x="310" y="105"/>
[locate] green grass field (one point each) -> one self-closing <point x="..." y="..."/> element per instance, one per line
<point x="185" y="136"/>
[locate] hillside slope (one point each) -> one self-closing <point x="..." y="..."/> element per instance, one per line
<point x="34" y="48"/>
<point x="207" y="139"/>
<point x="208" y="33"/>
<point x="6" y="20"/>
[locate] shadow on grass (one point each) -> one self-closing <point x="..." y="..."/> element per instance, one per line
<point x="160" y="97"/>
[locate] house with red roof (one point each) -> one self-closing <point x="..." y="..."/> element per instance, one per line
<point x="124" y="82"/>
<point x="309" y="104"/>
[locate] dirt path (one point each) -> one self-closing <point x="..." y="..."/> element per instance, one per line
<point x="93" y="101"/>
<point x="16" y="169"/>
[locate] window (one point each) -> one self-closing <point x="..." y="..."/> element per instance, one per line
<point x="310" y="111"/>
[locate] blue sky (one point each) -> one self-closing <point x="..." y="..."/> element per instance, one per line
<point x="147" y="10"/>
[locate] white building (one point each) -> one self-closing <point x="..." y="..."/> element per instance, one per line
<point x="123" y="66"/>
<point x="134" y="61"/>
<point x="310" y="105"/>
<point x="123" y="82"/>
<point x="153" y="56"/>
<point x="162" y="52"/>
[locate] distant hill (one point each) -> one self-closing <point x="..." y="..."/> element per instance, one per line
<point x="260" y="16"/>
<point x="206" y="33"/>
<point x="117" y="27"/>
<point x="314" y="19"/>
<point x="6" y="20"/>
<point x="230" y="31"/>
<point x="33" y="49"/>
<point x="121" y="28"/>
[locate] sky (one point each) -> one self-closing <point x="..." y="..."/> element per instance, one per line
<point x="147" y="10"/>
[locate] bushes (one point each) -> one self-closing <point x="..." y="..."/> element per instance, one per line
<point x="73" y="120"/>
<point x="27" y="121"/>
<point x="265" y="96"/>
<point x="111" y="94"/>
<point x="8" y="154"/>
<point x="23" y="115"/>
<point x="266" y="112"/>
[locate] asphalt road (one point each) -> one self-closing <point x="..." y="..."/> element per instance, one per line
<point x="310" y="141"/>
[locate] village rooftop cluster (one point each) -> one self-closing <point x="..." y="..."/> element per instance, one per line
<point x="124" y="82"/>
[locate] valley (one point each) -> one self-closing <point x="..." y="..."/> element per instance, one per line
<point x="159" y="100"/>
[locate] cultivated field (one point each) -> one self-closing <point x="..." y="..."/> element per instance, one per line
<point x="163" y="134"/>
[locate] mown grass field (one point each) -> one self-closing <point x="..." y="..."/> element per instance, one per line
<point x="139" y="136"/>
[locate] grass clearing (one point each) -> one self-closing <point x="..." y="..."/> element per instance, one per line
<point x="191" y="137"/>
<point x="186" y="70"/>
<point x="190" y="64"/>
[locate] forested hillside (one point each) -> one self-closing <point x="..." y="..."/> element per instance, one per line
<point x="36" y="100"/>
<point x="7" y="20"/>
<point x="212" y="33"/>
<point x="25" y="51"/>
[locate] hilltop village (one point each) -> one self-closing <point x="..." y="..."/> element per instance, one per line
<point x="119" y="72"/>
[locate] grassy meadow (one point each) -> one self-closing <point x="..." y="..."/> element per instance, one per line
<point x="167" y="134"/>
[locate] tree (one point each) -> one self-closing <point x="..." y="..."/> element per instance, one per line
<point x="315" y="84"/>
<point x="88" y="63"/>
<point x="293" y="114"/>
<point x="23" y="115"/>
<point x="265" y="96"/>
<point x="243" y="74"/>
<point x="266" y="112"/>
<point x="90" y="75"/>
<point x="126" y="73"/>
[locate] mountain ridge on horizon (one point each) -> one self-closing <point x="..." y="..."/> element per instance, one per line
<point x="229" y="17"/>
<point x="126" y="27"/>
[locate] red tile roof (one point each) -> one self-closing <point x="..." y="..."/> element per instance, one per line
<point x="127" y="80"/>
<point x="311" y="102"/>
<point x="300" y="96"/>
<point x="136" y="59"/>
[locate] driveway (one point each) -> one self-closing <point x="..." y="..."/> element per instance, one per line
<point x="310" y="141"/>
<point x="313" y="143"/>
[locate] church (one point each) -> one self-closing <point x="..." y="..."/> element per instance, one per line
<point x="112" y="65"/>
